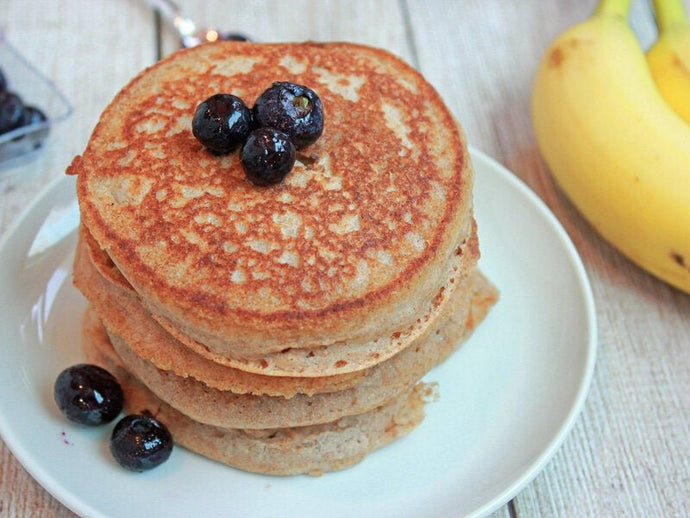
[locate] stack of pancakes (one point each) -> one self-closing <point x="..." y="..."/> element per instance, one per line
<point x="280" y="329"/>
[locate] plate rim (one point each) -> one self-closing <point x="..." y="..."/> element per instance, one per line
<point x="591" y="348"/>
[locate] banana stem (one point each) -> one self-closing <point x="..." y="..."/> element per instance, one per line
<point x="613" y="7"/>
<point x="669" y="14"/>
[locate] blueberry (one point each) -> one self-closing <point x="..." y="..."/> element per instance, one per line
<point x="33" y="115"/>
<point x="140" y="442"/>
<point x="292" y="109"/>
<point x="3" y="81"/>
<point x="11" y="111"/>
<point x="267" y="156"/>
<point x="88" y="394"/>
<point x="221" y="123"/>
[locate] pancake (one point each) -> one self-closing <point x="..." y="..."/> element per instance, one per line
<point x="338" y="363"/>
<point x="354" y="253"/>
<point x="287" y="451"/>
<point x="217" y="395"/>
<point x="281" y="329"/>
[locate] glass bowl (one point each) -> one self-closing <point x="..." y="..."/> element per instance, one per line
<point x="34" y="89"/>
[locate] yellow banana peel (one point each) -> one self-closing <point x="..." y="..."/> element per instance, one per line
<point x="612" y="143"/>
<point x="669" y="57"/>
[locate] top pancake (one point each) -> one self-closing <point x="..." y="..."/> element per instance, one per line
<point x="352" y="245"/>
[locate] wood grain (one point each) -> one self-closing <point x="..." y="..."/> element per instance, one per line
<point x="627" y="454"/>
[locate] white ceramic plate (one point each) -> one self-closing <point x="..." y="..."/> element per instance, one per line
<point x="508" y="397"/>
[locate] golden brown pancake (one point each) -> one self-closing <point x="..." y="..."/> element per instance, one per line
<point x="338" y="363"/>
<point x="279" y="329"/>
<point x="222" y="396"/>
<point x="356" y="248"/>
<point x="282" y="451"/>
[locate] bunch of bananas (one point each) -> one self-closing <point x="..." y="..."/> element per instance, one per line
<point x="613" y="125"/>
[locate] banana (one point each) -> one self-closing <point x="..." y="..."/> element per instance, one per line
<point x="612" y="143"/>
<point x="669" y="57"/>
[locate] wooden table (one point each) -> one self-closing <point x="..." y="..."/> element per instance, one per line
<point x="628" y="452"/>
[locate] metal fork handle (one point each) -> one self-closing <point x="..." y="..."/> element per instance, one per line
<point x="175" y="16"/>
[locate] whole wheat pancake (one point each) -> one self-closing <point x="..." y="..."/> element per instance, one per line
<point x="282" y="451"/>
<point x="351" y="248"/>
<point x="331" y="365"/>
<point x="227" y="409"/>
<point x="124" y="315"/>
<point x="217" y="395"/>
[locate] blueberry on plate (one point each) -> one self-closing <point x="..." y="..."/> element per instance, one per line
<point x="221" y="123"/>
<point x="88" y="394"/>
<point x="11" y="111"/>
<point x="267" y="156"/>
<point x="140" y="442"/>
<point x="293" y="109"/>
